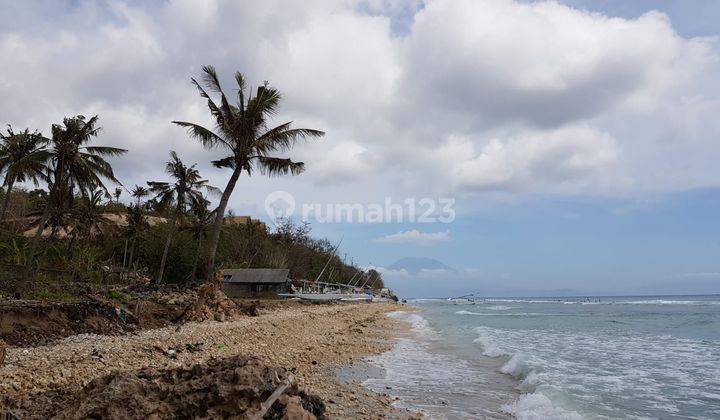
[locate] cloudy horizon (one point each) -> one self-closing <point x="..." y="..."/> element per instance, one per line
<point x="581" y="152"/>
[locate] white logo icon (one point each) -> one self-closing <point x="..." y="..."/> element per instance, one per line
<point x="279" y="205"/>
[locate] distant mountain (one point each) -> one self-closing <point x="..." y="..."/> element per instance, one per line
<point x="414" y="265"/>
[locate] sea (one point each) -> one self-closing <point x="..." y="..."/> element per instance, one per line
<point x="634" y="357"/>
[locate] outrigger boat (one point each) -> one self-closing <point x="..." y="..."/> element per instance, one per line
<point x="327" y="292"/>
<point x="464" y="300"/>
<point x="318" y="291"/>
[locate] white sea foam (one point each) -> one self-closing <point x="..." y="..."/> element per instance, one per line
<point x="530" y="405"/>
<point x="418" y="324"/>
<point x="660" y="372"/>
<point x="516" y="367"/>
<point x="609" y="301"/>
<point x="537" y="406"/>
<point x="490" y="349"/>
<point x="423" y="300"/>
<point x="667" y="302"/>
<point x="530" y="383"/>
<point x="499" y="308"/>
<point x="521" y="300"/>
<point x="653" y="360"/>
<point x="440" y="384"/>
<point x="507" y="314"/>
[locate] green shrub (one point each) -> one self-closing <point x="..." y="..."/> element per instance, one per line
<point x="118" y="296"/>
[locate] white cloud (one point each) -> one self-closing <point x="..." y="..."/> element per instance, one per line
<point x="542" y="62"/>
<point x="336" y="163"/>
<point x="471" y="96"/>
<point x="415" y="237"/>
<point x="538" y="157"/>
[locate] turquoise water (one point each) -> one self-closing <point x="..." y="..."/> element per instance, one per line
<point x="613" y="357"/>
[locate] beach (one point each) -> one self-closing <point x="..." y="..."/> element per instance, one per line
<point x="310" y="342"/>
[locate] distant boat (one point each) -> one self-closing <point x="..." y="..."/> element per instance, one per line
<point x="463" y="300"/>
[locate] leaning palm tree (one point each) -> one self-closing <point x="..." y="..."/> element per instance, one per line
<point x="22" y="158"/>
<point x="74" y="165"/>
<point x="242" y="130"/>
<point x="185" y="189"/>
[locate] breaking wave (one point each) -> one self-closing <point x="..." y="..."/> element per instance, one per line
<point x="555" y="369"/>
<point x="609" y="301"/>
<point x="536" y="407"/>
<point x="506" y="314"/>
<point x="532" y="404"/>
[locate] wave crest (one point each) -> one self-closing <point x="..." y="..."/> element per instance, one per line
<point x="537" y="406"/>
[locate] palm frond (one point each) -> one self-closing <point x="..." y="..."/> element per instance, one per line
<point x="226" y="162"/>
<point x="282" y="138"/>
<point x="213" y="82"/>
<point x="240" y="80"/>
<point x="139" y="191"/>
<point x="87" y="129"/>
<point x="272" y="166"/>
<point x="207" y="138"/>
<point x="212" y="106"/>
<point x="213" y="191"/>
<point x="105" y="150"/>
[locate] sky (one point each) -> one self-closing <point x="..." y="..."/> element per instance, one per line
<point x="576" y="142"/>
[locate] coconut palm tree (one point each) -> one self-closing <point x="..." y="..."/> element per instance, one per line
<point x="88" y="216"/>
<point x="137" y="223"/>
<point x="135" y="219"/>
<point x="200" y="223"/>
<point x="74" y="165"/>
<point x="242" y="130"/>
<point x="117" y="194"/>
<point x="185" y="189"/>
<point x="139" y="192"/>
<point x="22" y="158"/>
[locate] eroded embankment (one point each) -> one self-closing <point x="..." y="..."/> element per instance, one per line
<point x="219" y="388"/>
<point x="36" y="323"/>
<point x="307" y="342"/>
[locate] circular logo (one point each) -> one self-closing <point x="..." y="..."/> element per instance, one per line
<point x="279" y="205"/>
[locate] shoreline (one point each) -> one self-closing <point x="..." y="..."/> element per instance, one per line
<point x="312" y="343"/>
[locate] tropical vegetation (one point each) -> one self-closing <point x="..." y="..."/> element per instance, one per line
<point x="63" y="216"/>
<point x="185" y="189"/>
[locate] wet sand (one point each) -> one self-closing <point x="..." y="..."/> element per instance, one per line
<point x="310" y="342"/>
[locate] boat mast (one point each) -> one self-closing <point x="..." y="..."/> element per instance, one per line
<point x="367" y="279"/>
<point x="332" y="254"/>
<point x="350" y="283"/>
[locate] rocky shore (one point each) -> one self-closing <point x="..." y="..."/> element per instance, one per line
<point x="307" y="343"/>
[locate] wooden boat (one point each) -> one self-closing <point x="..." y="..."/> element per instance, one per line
<point x="329" y="297"/>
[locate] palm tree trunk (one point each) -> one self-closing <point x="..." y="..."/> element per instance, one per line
<point x="52" y="192"/>
<point x="132" y="251"/>
<point x="71" y="242"/>
<point x="125" y="254"/>
<point x="166" y="250"/>
<point x="36" y="239"/>
<point x="197" y="258"/>
<point x="217" y="224"/>
<point x="11" y="181"/>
